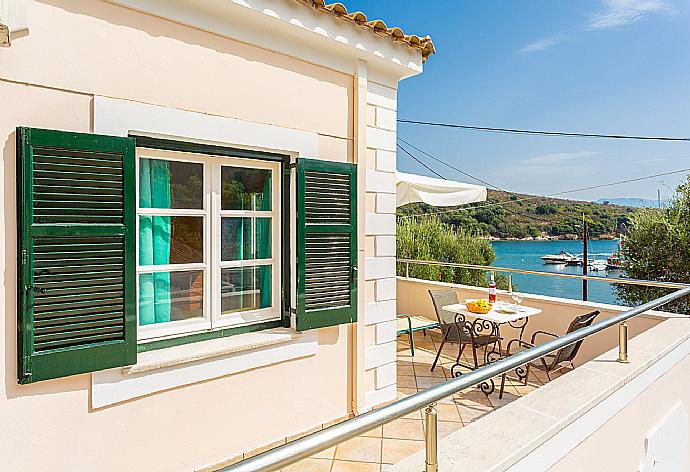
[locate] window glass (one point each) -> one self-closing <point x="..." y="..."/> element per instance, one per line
<point x="244" y="238"/>
<point x="192" y="246"/>
<point x="170" y="184"/>
<point x="245" y="189"/>
<point x="171" y="240"/>
<point x="170" y="296"/>
<point x="245" y="288"/>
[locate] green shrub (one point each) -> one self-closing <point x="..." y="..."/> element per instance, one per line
<point x="657" y="247"/>
<point x="432" y="240"/>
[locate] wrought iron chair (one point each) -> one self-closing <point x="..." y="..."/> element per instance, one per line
<point x="456" y="329"/>
<point x="550" y="362"/>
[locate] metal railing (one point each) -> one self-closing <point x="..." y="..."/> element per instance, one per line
<point x="510" y="272"/>
<point x="292" y="452"/>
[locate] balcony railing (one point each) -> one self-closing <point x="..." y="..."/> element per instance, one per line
<point x="510" y="272"/>
<point x="314" y="443"/>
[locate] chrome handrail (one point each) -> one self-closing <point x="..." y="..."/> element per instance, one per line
<point x="294" y="451"/>
<point x="647" y="283"/>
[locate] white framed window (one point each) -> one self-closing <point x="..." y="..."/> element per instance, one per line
<point x="208" y="242"/>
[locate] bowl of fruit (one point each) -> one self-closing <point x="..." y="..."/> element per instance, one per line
<point x="481" y="306"/>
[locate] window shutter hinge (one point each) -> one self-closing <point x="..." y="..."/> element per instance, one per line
<point x="26" y="367"/>
<point x="35" y="289"/>
<point x="25" y="258"/>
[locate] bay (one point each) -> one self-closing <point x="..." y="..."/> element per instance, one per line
<point x="527" y="255"/>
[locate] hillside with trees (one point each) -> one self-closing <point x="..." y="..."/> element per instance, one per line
<point x="508" y="215"/>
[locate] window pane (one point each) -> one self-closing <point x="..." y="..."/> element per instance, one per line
<point x="171" y="296"/>
<point x="245" y="189"/>
<point x="244" y="238"/>
<point x="170" y="184"/>
<point x="171" y="240"/>
<point x="245" y="288"/>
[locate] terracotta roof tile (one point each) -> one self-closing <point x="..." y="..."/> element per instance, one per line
<point x="423" y="44"/>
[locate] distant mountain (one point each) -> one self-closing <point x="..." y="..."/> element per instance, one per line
<point x="631" y="202"/>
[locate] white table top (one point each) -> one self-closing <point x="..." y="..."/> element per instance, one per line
<point x="493" y="315"/>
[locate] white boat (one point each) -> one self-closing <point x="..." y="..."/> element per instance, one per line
<point x="562" y="257"/>
<point x="596" y="265"/>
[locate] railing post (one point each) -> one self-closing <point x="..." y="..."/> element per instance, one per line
<point x="407" y="270"/>
<point x="510" y="282"/>
<point x="623" y="343"/>
<point x="431" y="462"/>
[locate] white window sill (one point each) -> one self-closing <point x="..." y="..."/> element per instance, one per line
<point x="172" y="356"/>
<point x="165" y="369"/>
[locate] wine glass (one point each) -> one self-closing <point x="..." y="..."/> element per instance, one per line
<point x="517" y="298"/>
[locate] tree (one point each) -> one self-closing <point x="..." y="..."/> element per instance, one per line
<point x="432" y="240"/>
<point x="657" y="247"/>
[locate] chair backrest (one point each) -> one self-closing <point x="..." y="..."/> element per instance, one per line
<point x="443" y="298"/>
<point x="568" y="353"/>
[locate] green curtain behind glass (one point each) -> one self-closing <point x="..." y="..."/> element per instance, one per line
<point x="154" y="242"/>
<point x="265" y="238"/>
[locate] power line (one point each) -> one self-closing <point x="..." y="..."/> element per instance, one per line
<point x="462" y="172"/>
<point x="449" y="165"/>
<point x="420" y="162"/>
<point x="543" y="133"/>
<point x="535" y="197"/>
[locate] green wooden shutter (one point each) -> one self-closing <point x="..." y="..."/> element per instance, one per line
<point x="76" y="230"/>
<point x="326" y="243"/>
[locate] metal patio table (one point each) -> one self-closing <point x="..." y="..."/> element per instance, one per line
<point x="490" y="323"/>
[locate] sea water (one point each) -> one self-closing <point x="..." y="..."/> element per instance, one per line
<point x="527" y="255"/>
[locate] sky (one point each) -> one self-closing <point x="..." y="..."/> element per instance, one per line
<point x="592" y="66"/>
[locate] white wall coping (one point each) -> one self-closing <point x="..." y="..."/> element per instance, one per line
<point x="175" y="367"/>
<point x="654" y="314"/>
<point x="182" y="354"/>
<point x="535" y="431"/>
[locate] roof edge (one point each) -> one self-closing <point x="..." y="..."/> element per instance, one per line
<point x="424" y="44"/>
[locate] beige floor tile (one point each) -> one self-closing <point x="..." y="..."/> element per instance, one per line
<point x="524" y="389"/>
<point x="310" y="465"/>
<point x="445" y="428"/>
<point x="394" y="450"/>
<point x="424" y="370"/>
<point x="347" y="466"/>
<point x="448" y="412"/>
<point x="374" y="433"/>
<point x="407" y="381"/>
<point x="405" y="369"/>
<point x="508" y="397"/>
<point x="404" y="429"/>
<point x="427" y="382"/>
<point x="327" y="454"/>
<point x="405" y="391"/>
<point x="415" y="415"/>
<point x="359" y="449"/>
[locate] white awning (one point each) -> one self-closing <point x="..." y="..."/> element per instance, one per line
<point x="413" y="188"/>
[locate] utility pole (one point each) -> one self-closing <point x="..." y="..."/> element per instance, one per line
<point x="658" y="198"/>
<point x="585" y="256"/>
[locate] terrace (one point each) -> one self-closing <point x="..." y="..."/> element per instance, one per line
<point x="379" y="449"/>
<point x="492" y="433"/>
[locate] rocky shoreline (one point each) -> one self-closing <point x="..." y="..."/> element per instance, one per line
<point x="562" y="237"/>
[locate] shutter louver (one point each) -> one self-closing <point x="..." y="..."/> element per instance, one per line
<point x="76" y="288"/>
<point x="327" y="244"/>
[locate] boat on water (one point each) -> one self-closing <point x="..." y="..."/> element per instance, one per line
<point x="596" y="265"/>
<point x="615" y="261"/>
<point x="563" y="257"/>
